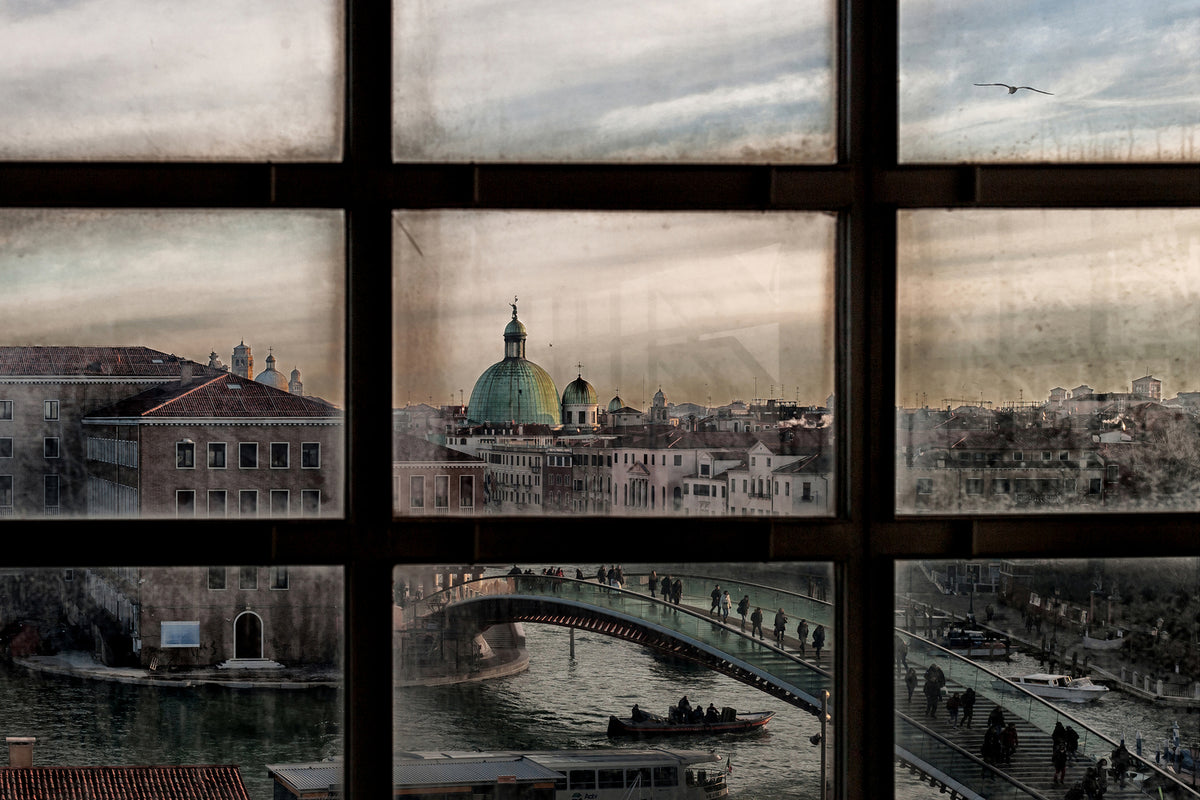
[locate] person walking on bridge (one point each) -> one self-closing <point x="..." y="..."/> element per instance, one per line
<point x="818" y="640"/>
<point x="715" y="594"/>
<point x="744" y="609"/>
<point x="726" y="604"/>
<point x="802" y="634"/>
<point x="968" y="706"/>
<point x="756" y="622"/>
<point x="781" y="621"/>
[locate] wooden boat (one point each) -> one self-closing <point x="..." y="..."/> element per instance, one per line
<point x="654" y="725"/>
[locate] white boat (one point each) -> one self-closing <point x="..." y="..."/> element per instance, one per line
<point x="1060" y="687"/>
<point x="1114" y="643"/>
<point x="614" y="774"/>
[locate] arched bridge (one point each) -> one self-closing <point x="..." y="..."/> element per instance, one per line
<point x="686" y="630"/>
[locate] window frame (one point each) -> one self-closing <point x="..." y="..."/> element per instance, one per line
<point x="211" y="449"/>
<point x="864" y="538"/>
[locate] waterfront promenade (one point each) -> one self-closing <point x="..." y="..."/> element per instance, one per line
<point x="78" y="664"/>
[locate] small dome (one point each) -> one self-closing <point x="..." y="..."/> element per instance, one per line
<point x="579" y="393"/>
<point x="616" y="404"/>
<point x="272" y="377"/>
<point x="659" y="396"/>
<point x="296" y="374"/>
<point x="514" y="328"/>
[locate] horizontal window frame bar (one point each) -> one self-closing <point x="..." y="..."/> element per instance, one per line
<point x="640" y="187"/>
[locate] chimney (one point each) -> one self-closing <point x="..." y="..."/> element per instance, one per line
<point x="185" y="373"/>
<point x="20" y="750"/>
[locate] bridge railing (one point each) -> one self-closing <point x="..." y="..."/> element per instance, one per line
<point x="1036" y="711"/>
<point x="796" y="605"/>
<point x="949" y="766"/>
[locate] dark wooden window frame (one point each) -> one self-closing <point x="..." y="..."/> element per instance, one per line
<point x="865" y="188"/>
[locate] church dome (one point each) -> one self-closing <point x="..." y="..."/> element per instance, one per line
<point x="272" y="377"/>
<point x="514" y="390"/>
<point x="616" y="404"/>
<point x="579" y="393"/>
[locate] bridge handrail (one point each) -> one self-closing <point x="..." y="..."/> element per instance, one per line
<point x="1021" y="789"/>
<point x="968" y="675"/>
<point x="823" y="606"/>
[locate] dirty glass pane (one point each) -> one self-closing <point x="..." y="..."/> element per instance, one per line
<point x="222" y="80"/>
<point x="537" y="675"/>
<point x="1094" y="80"/>
<point x="1046" y="361"/>
<point x="998" y="661"/>
<point x="132" y="338"/>
<point x="549" y="80"/>
<point x="610" y="363"/>
<point x="134" y="667"/>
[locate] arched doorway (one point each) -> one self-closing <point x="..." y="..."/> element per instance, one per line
<point x="248" y="636"/>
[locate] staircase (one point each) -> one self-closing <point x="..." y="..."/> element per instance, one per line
<point x="1030" y="764"/>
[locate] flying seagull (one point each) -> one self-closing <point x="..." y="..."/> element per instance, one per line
<point x="1013" y="89"/>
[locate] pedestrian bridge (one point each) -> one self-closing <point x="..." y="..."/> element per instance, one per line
<point x="949" y="756"/>
<point x="686" y="630"/>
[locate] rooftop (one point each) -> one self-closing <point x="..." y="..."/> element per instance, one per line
<point x="223" y="396"/>
<point x="123" y="783"/>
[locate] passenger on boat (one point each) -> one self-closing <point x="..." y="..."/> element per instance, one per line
<point x="638" y="715"/>
<point x="684" y="709"/>
<point x="712" y="715"/>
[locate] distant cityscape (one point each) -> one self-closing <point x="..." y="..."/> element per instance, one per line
<point x="520" y="447"/>
<point x="1078" y="450"/>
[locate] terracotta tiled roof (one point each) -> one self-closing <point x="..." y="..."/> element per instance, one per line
<point x="122" y="783"/>
<point x="89" y="361"/>
<point x="224" y="396"/>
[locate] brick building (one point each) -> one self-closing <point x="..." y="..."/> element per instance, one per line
<point x="214" y="445"/>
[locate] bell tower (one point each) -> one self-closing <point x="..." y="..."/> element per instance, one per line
<point x="243" y="361"/>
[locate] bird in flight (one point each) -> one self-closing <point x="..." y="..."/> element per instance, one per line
<point x="1013" y="89"/>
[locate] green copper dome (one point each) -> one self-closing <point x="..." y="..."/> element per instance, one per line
<point x="514" y="390"/>
<point x="579" y="393"/>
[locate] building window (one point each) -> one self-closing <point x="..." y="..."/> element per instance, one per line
<point x="1000" y="486"/>
<point x="6" y="409"/>
<point x="1018" y="455"/>
<point x="6" y="493"/>
<point x="678" y="460"/>
<point x="185" y="455"/>
<point x="310" y="455"/>
<point x="217" y="500"/>
<point x="279" y="577"/>
<point x="248" y="503"/>
<point x="185" y="502"/>
<point x="180" y="634"/>
<point x="216" y="578"/>
<point x="248" y="455"/>
<point x="248" y="578"/>
<point x="416" y="491"/>
<point x="50" y="494"/>
<point x="974" y="486"/>
<point x="50" y="410"/>
<point x="704" y="469"/>
<point x="924" y="485"/>
<point x="466" y="491"/>
<point x="441" y="491"/>
<point x="279" y="502"/>
<point x="216" y="455"/>
<point x="279" y="455"/>
<point x="6" y="447"/>
<point x="310" y="502"/>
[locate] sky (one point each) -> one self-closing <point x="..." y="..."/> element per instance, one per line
<point x="656" y="80"/>
<point x="181" y="282"/>
<point x="1005" y="305"/>
<point x="178" y="79"/>
<point x="1124" y="76"/>
<point x="722" y="306"/>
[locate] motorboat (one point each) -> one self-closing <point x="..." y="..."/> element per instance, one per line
<point x="974" y="644"/>
<point x="653" y="725"/>
<point x="1060" y="687"/>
